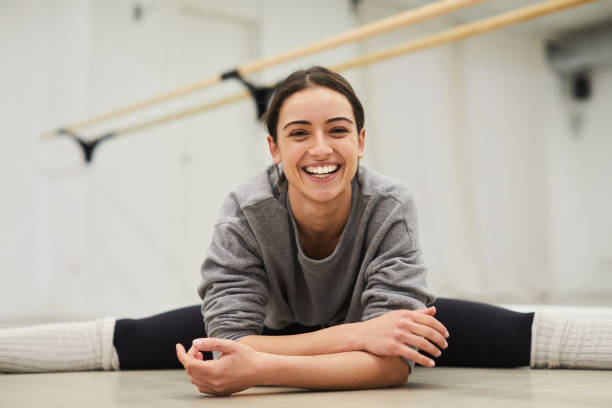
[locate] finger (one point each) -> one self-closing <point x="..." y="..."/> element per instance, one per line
<point x="429" y="334"/>
<point x="213" y="344"/>
<point x="182" y="355"/>
<point x="194" y="365"/>
<point x="431" y="322"/>
<point x="418" y="358"/>
<point x="195" y="353"/>
<point x="429" y="311"/>
<point x="422" y="344"/>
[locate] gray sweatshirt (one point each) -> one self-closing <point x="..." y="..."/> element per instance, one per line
<point x="256" y="274"/>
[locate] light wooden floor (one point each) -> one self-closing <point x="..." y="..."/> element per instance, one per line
<point x="438" y="387"/>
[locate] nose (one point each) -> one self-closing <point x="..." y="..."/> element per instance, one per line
<point x="320" y="146"/>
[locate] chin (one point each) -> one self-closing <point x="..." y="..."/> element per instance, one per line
<point x="325" y="196"/>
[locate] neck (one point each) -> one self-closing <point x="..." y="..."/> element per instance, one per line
<point x="320" y="224"/>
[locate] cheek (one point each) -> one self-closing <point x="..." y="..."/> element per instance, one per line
<point x="350" y="150"/>
<point x="288" y="156"/>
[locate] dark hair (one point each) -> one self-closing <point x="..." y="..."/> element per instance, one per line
<point x="306" y="78"/>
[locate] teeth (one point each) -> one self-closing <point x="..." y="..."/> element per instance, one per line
<point x="321" y="169"/>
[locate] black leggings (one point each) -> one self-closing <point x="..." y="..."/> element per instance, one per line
<point x="481" y="335"/>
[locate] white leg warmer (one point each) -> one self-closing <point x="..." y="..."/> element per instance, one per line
<point x="565" y="341"/>
<point x="75" y="346"/>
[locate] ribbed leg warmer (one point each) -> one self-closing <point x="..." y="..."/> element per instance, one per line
<point x="75" y="346"/>
<point x="563" y="341"/>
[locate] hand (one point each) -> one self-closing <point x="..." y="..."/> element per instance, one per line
<point x="392" y="333"/>
<point x="236" y="369"/>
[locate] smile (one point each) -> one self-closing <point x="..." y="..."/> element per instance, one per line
<point x="321" y="172"/>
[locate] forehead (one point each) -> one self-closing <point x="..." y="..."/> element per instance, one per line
<point x="314" y="103"/>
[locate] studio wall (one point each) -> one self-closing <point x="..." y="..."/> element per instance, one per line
<point x="510" y="175"/>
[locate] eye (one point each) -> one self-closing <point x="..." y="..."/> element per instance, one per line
<point x="339" y="131"/>
<point x="297" y="133"/>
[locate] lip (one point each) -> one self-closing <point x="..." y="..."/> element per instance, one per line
<point x="324" y="180"/>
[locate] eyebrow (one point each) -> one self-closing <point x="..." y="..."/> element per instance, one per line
<point x="305" y="122"/>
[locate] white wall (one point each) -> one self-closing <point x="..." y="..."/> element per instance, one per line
<point x="291" y="24"/>
<point x="127" y="235"/>
<point x="513" y="207"/>
<point x="579" y="174"/>
<point x="513" y="202"/>
<point x="417" y="133"/>
<point x="505" y="102"/>
<point x="44" y="74"/>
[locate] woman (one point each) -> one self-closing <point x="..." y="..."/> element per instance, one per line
<point x="314" y="279"/>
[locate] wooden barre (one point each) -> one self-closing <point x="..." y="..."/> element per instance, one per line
<point x="368" y="30"/>
<point x="385" y="25"/>
<point x="187" y="112"/>
<point x="463" y="31"/>
<point x="454" y="34"/>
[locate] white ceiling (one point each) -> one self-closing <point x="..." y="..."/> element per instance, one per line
<point x="598" y="12"/>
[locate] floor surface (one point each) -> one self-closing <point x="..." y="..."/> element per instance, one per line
<point x="438" y="387"/>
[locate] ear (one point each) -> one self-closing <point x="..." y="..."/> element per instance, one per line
<point x="274" y="150"/>
<point x="361" y="142"/>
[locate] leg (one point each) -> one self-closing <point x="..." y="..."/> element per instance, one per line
<point x="106" y="344"/>
<point x="571" y="340"/>
<point x="482" y="335"/>
<point x="145" y="344"/>
<point x="73" y="346"/>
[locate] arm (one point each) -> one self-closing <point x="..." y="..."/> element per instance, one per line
<point x="234" y="283"/>
<point x="394" y="299"/>
<point x="331" y="360"/>
<point x="386" y="335"/>
<point x="348" y="370"/>
<point x="241" y="367"/>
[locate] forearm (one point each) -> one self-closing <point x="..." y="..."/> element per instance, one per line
<point x="336" y="339"/>
<point x="349" y="370"/>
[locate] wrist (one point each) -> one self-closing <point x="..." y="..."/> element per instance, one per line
<point x="268" y="369"/>
<point x="353" y="338"/>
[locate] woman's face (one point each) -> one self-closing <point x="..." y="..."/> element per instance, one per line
<point x="318" y="144"/>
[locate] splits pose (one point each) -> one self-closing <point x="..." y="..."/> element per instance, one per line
<point x="314" y="279"/>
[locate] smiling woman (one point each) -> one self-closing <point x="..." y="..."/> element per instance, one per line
<point x="315" y="122"/>
<point x="319" y="146"/>
<point x="314" y="279"/>
<point x="316" y="244"/>
<point x="319" y="152"/>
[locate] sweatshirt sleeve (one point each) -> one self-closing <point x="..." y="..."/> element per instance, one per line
<point x="396" y="277"/>
<point x="234" y="285"/>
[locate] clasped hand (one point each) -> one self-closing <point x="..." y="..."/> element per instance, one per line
<point x="395" y="333"/>
<point x="234" y="371"/>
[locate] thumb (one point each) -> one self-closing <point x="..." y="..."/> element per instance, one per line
<point x="212" y="344"/>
